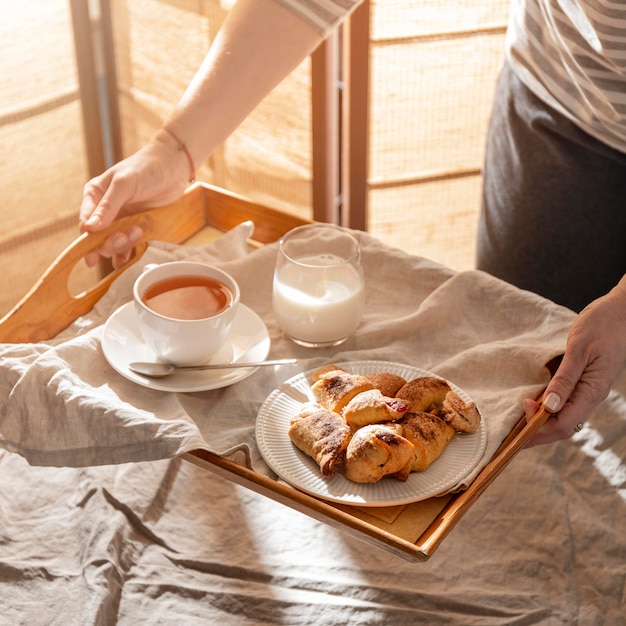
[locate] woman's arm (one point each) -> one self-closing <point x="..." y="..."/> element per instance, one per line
<point x="259" y="44"/>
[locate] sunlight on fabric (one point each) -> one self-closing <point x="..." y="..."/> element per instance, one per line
<point x="306" y="537"/>
<point x="605" y="460"/>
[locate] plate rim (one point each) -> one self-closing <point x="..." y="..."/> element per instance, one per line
<point x="264" y="413"/>
<point x="214" y="382"/>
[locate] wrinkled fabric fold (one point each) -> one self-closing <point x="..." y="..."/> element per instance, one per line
<point x="63" y="404"/>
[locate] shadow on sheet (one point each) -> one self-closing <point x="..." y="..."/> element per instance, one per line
<point x="166" y="542"/>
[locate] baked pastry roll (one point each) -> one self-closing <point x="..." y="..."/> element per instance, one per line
<point x="375" y="451"/>
<point x="333" y="390"/>
<point x="372" y="407"/>
<point x="429" y="435"/>
<point x="425" y="393"/>
<point x="320" y="371"/>
<point x="321" y="434"/>
<point x="388" y="383"/>
<point x="461" y="415"/>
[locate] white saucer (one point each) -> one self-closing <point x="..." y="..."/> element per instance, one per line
<point x="122" y="344"/>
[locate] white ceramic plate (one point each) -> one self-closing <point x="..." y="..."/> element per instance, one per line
<point x="122" y="344"/>
<point x="459" y="458"/>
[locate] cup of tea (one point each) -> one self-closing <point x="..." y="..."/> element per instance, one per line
<point x="318" y="289"/>
<point x="185" y="310"/>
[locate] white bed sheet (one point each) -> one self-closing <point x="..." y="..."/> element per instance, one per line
<point x="166" y="542"/>
<point x="169" y="543"/>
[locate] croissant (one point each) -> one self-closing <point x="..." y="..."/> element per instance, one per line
<point x="461" y="415"/>
<point x="324" y="369"/>
<point x="379" y="425"/>
<point x="321" y="434"/>
<point x="388" y="383"/>
<point x="425" y="393"/>
<point x="429" y="436"/>
<point x="375" y="451"/>
<point x="371" y="407"/>
<point x="333" y="390"/>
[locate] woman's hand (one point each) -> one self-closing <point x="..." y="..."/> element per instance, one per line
<point x="260" y="42"/>
<point x="595" y="353"/>
<point x="155" y="175"/>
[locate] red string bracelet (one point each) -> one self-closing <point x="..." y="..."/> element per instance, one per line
<point x="183" y="148"/>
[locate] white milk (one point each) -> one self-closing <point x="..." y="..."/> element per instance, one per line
<point x="320" y="304"/>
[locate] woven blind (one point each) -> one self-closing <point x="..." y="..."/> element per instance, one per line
<point x="159" y="44"/>
<point x="42" y="155"/>
<point x="434" y="66"/>
<point x="433" y="72"/>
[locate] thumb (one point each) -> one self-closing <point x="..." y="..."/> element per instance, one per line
<point x="105" y="211"/>
<point x="563" y="383"/>
<point x="103" y="198"/>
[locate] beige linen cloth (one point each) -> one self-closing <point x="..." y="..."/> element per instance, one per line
<point x="64" y="405"/>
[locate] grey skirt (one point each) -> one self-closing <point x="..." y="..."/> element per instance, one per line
<point x="553" y="219"/>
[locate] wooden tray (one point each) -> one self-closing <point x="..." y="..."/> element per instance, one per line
<point x="413" y="531"/>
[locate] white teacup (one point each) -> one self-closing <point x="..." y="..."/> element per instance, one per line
<point x="185" y="310"/>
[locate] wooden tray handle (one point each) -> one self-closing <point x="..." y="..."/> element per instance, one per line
<point x="458" y="506"/>
<point x="49" y="307"/>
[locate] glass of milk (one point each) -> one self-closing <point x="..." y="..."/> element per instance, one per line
<point x="318" y="294"/>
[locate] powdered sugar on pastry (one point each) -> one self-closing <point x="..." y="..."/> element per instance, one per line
<point x="375" y="451"/>
<point x="379" y="425"/>
<point x="387" y="382"/>
<point x="321" y="434"/>
<point x="372" y="407"/>
<point x="334" y="389"/>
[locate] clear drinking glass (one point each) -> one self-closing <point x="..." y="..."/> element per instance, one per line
<point x="318" y="294"/>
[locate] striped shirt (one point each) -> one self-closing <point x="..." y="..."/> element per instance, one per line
<point x="572" y="55"/>
<point x="569" y="53"/>
<point x="323" y="15"/>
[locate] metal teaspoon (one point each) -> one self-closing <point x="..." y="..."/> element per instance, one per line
<point x="159" y="370"/>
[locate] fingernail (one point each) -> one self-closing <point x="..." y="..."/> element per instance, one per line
<point x="134" y="234"/>
<point x="93" y="220"/>
<point x="552" y="402"/>
<point x="118" y="242"/>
